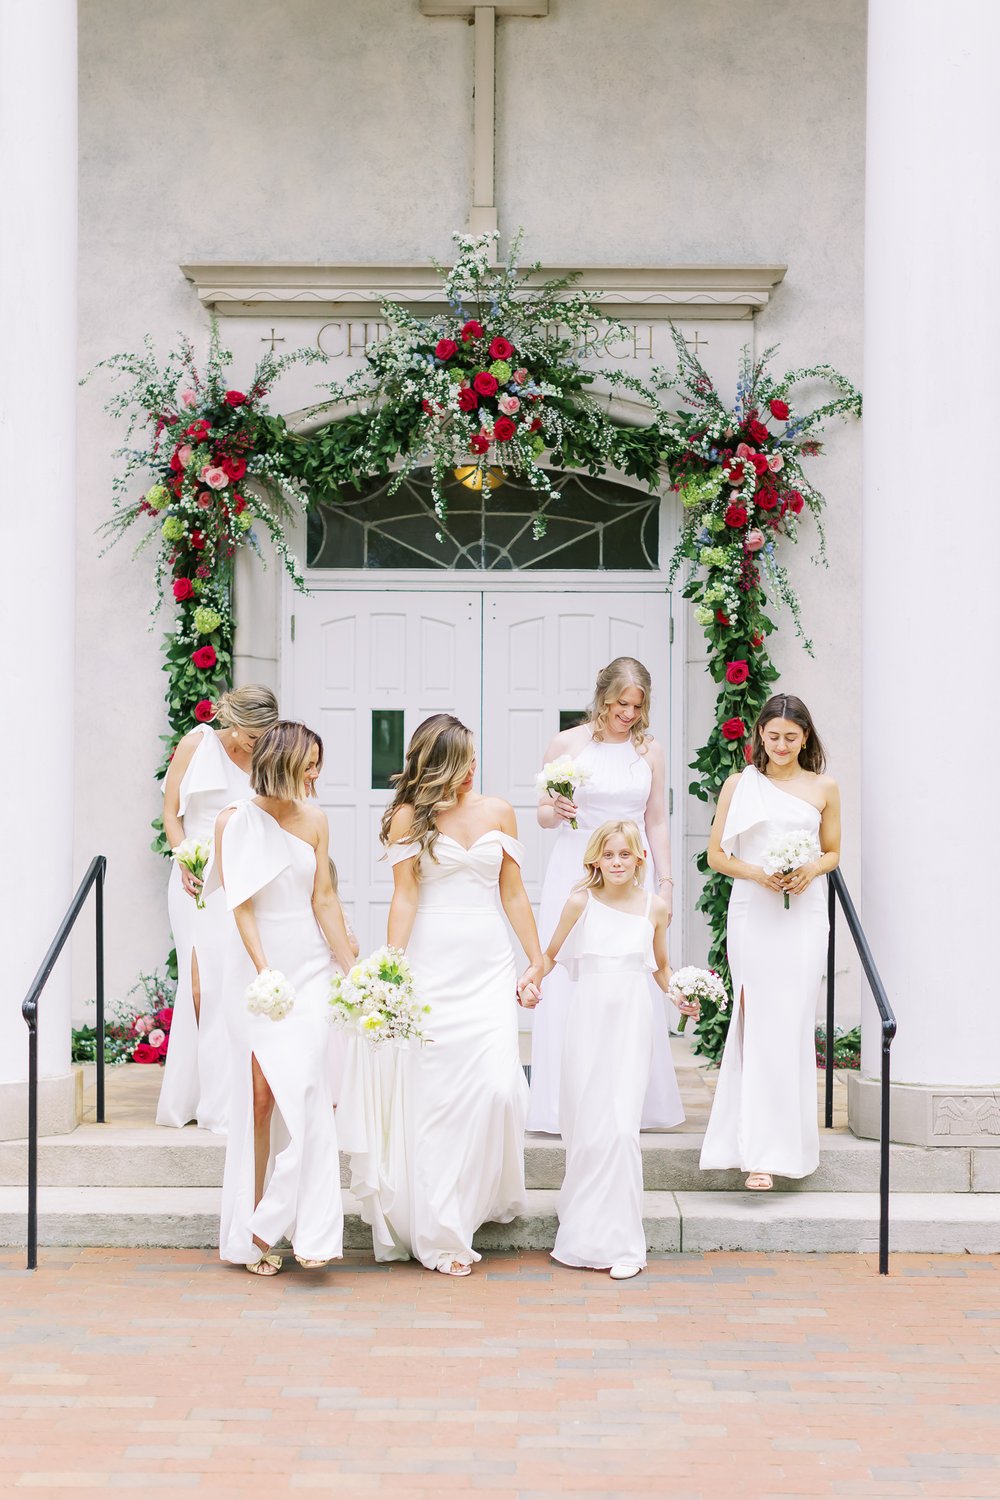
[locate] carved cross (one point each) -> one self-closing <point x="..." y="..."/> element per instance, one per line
<point x="483" y="217"/>
<point x="264" y="338"/>
<point x="697" y="344"/>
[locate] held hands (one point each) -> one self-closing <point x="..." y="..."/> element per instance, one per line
<point x="191" y="883"/>
<point x="528" y="991"/>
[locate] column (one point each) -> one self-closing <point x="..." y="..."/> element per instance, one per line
<point x="38" y="177"/>
<point x="931" y="558"/>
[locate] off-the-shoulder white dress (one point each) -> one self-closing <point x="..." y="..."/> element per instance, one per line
<point x="436" y="1132"/>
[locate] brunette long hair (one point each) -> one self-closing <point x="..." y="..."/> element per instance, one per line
<point x="812" y="756"/>
<point x="438" y="759"/>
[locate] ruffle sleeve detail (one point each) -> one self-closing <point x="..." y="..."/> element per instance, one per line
<point x="205" y="772"/>
<point x="511" y="847"/>
<point x="254" y="852"/>
<point x="746" y="810"/>
<point x="406" y="849"/>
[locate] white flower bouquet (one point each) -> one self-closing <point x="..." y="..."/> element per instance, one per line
<point x="193" y="855"/>
<point x="696" y="986"/>
<point x="270" y="995"/>
<point x="378" y="998"/>
<point x="562" y="776"/>
<point x="789" y="852"/>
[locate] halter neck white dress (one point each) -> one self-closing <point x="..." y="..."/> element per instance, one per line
<point x="764" y="1113"/>
<point x="607" y="1055"/>
<point x="195" y="1082"/>
<point x="302" y="1199"/>
<point x="618" y="788"/>
<point x="436" y="1132"/>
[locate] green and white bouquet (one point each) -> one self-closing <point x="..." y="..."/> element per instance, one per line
<point x="789" y="852"/>
<point x="562" y="776"/>
<point x="271" y="995"/>
<point x="193" y="855"/>
<point x="378" y="998"/>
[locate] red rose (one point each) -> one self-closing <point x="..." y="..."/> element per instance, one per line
<point x="164" y="1017"/>
<point x="183" y="589"/>
<point x="501" y="348"/>
<point x="239" y="504"/>
<point x="144" y="1053"/>
<point x="759" y="463"/>
<point x="204" y="658"/>
<point x="779" y="409"/>
<point x="536" y="422"/>
<point x="737" y="672"/>
<point x="504" y="429"/>
<point x="175" y="463"/>
<point x="757" y="430"/>
<point x="736" y="515"/>
<point x="795" y="502"/>
<point x="234" y="468"/>
<point x="758" y="639"/>
<point x="204" y="710"/>
<point x="767" y="499"/>
<point x="722" y="617"/>
<point x="445" y="349"/>
<point x="748" y="757"/>
<point x="467" y="399"/>
<point x="197" y="540"/>
<point x="198" y="430"/>
<point x="734" y="729"/>
<point x="734" y="474"/>
<point x="235" y="398"/>
<point x="472" y="330"/>
<point x="479" y="442"/>
<point x="485" y="383"/>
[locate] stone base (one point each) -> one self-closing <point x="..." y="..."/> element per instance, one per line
<point x="60" y="1106"/>
<point x="925" y="1114"/>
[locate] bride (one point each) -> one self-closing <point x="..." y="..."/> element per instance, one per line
<point x="436" y="1132"/>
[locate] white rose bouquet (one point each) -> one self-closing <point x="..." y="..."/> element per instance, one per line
<point x="695" y="986"/>
<point x="271" y="995"/>
<point x="193" y="855"/>
<point x="788" y="852"/>
<point x="562" y="776"/>
<point x="378" y="998"/>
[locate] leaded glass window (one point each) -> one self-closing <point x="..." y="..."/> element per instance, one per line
<point x="592" y="524"/>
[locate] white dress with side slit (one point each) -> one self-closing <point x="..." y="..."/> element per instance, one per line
<point x="607" y="1055"/>
<point x="302" y="1198"/>
<point x="764" y="1115"/>
<point x="436" y="1131"/>
<point x="195" y="1084"/>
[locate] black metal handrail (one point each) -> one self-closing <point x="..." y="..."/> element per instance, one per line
<point x="838" y="892"/>
<point x="96" y="871"/>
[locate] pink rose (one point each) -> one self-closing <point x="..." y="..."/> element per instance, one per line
<point x="189" y="398"/>
<point x="509" y="405"/>
<point x="216" y="478"/>
<point x="519" y="377"/>
<point x="775" y="463"/>
<point x="744" y="450"/>
<point x="184" y="454"/>
<point x="205" y="499"/>
<point x="754" y="540"/>
<point x="156" y="1037"/>
<point x="142" y="1024"/>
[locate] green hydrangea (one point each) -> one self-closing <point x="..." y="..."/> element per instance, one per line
<point x="158" y="498"/>
<point x="715" y="593"/>
<point x="172" y="529"/>
<point x="701" y="489"/>
<point x="243" y="522"/>
<point x="703" y="616"/>
<point x="206" y="619"/>
<point x="537" y="444"/>
<point x="713" y="557"/>
<point x="501" y="370"/>
<point x="714" y="522"/>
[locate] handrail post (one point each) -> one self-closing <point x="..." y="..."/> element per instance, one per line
<point x="99" y="986"/>
<point x="883" y="1180"/>
<point x="30" y="1013"/>
<point x="831" y="984"/>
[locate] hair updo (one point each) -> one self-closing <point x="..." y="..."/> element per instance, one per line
<point x="250" y="707"/>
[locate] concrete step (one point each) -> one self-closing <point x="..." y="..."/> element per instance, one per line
<point x="802" y="1221"/>
<point x="146" y="1156"/>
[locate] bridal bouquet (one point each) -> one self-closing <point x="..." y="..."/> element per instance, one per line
<point x="696" y="986"/>
<point x="193" y="855"/>
<point x="271" y="995"/>
<point x="789" y="852"/>
<point x="379" y="999"/>
<point x="562" y="776"/>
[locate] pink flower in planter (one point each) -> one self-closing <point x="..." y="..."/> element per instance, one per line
<point x="184" y="455"/>
<point x="217" y="479"/>
<point x="205" y="499"/>
<point x="142" y="1025"/>
<point x="156" y="1037"/>
<point x="189" y="398"/>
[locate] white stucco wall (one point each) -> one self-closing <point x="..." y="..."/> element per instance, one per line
<point x="641" y="132"/>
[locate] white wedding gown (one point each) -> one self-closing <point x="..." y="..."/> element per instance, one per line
<point x="607" y="1055"/>
<point x="618" y="789"/>
<point x="436" y="1131"/>
<point x="195" y="1083"/>
<point x="302" y="1199"/>
<point x="764" y="1113"/>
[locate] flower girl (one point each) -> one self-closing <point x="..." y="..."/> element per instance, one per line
<point x="611" y="935"/>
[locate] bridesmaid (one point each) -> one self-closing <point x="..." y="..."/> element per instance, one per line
<point x="611" y="936"/>
<point x="627" y="782"/>
<point x="763" y="1117"/>
<point x="210" y="768"/>
<point x="436" y="1132"/>
<point x="271" y="859"/>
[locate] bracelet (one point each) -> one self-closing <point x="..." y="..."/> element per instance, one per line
<point x="666" y="880"/>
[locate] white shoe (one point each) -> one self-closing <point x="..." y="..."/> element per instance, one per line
<point x="623" y="1273"/>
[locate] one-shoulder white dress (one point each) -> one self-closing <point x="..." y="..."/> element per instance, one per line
<point x="195" y="1082"/>
<point x="618" y="789"/>
<point x="764" y="1115"/>
<point x="436" y="1131"/>
<point x="302" y="1198"/>
<point x="607" y="1055"/>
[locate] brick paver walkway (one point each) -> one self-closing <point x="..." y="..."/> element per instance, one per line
<point x="717" y="1375"/>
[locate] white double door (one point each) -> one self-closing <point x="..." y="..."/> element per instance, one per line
<point x="367" y="667"/>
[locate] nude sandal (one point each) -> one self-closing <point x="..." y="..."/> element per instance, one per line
<point x="268" y="1263"/>
<point x="311" y="1265"/>
<point x="759" y="1182"/>
<point x="456" y="1268"/>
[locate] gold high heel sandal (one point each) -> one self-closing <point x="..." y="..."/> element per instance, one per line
<point x="268" y="1263"/>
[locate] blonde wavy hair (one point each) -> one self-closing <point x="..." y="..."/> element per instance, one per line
<point x="612" y="680"/>
<point x="438" y="760"/>
<point x="629" y="831"/>
<point x="280" y="758"/>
